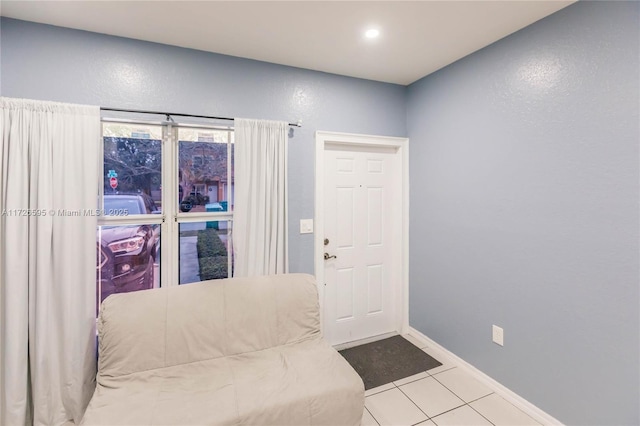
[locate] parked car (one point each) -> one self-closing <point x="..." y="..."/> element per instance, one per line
<point x="129" y="204"/>
<point x="197" y="199"/>
<point x="127" y="253"/>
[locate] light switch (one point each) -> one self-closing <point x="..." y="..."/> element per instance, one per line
<point x="306" y="226"/>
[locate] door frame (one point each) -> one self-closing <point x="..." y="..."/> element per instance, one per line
<point x="401" y="145"/>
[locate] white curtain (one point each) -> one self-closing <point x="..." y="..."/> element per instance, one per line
<point x="48" y="160"/>
<point x="260" y="204"/>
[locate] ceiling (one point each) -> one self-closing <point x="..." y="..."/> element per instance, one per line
<point x="416" y="37"/>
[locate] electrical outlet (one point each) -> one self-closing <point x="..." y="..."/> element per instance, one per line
<point x="498" y="335"/>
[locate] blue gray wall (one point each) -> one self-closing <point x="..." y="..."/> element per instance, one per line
<point x="57" y="64"/>
<point x="524" y="211"/>
<point x="524" y="181"/>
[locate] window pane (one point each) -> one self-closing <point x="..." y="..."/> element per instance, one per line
<point x="132" y="169"/>
<point x="203" y="173"/>
<point x="205" y="250"/>
<point x="128" y="259"/>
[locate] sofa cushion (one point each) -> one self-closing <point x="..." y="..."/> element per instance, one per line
<point x="301" y="383"/>
<point x="176" y="325"/>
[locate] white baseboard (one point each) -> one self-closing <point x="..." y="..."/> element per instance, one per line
<point x="515" y="399"/>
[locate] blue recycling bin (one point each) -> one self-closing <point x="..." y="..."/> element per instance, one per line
<point x="213" y="207"/>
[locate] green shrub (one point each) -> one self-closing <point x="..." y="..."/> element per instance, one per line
<point x="212" y="255"/>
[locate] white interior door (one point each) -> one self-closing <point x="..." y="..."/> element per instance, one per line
<point x="363" y="230"/>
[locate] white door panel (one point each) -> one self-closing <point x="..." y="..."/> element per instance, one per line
<point x="362" y="212"/>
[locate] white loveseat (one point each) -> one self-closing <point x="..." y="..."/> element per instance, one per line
<point x="241" y="351"/>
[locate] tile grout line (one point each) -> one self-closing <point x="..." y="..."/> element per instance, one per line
<point x="539" y="416"/>
<point x="434" y="376"/>
<point x="448" y="411"/>
<point x="422" y="378"/>
<point x="465" y="402"/>
<point x="409" y="398"/>
<point x="439" y="382"/>
<point x="481" y="415"/>
<point x="439" y="414"/>
<point x="450" y="390"/>
<point x="383" y="390"/>
<point x="372" y="416"/>
<point x="517" y="408"/>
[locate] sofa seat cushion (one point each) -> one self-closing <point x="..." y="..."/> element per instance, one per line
<point x="301" y="383"/>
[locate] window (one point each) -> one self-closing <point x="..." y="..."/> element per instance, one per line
<point x="205" y="250"/>
<point x="146" y="241"/>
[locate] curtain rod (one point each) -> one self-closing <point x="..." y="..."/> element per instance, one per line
<point x="169" y="114"/>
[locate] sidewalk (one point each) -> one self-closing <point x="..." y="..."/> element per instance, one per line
<point x="189" y="265"/>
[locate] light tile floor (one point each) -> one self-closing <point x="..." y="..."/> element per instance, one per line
<point x="442" y="396"/>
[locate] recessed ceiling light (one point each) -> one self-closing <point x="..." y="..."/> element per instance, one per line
<point x="372" y="33"/>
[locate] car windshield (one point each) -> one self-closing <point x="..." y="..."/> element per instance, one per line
<point x="130" y="205"/>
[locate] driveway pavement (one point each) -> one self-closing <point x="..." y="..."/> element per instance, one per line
<point x="193" y="226"/>
<point x="189" y="265"/>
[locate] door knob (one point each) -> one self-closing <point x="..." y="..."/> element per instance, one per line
<point x="327" y="257"/>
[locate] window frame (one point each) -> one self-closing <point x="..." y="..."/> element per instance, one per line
<point x="189" y="217"/>
<point x="171" y="216"/>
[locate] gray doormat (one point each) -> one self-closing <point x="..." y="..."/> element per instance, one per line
<point x="388" y="360"/>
